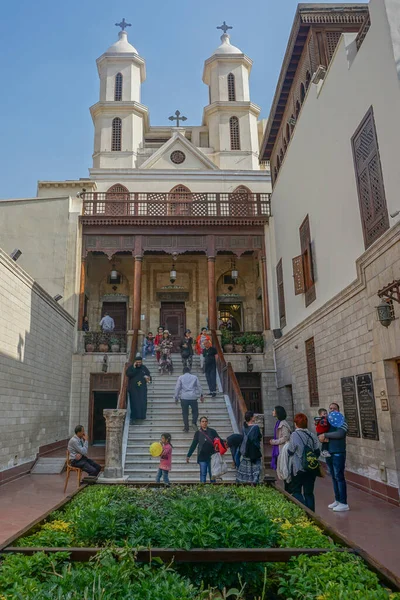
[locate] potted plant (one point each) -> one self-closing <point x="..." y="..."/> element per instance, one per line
<point x="89" y="342"/>
<point x="103" y="344"/>
<point x="239" y="343"/>
<point x="114" y="343"/>
<point x="226" y="340"/>
<point x="258" y="343"/>
<point x="248" y="342"/>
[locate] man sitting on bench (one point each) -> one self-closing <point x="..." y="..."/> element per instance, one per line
<point x="78" y="449"/>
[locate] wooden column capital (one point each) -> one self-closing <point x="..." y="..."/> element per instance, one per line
<point x="211" y="258"/>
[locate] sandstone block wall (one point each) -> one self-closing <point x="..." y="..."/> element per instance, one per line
<point x="36" y="337"/>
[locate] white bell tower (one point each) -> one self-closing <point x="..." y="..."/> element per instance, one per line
<point x="119" y="118"/>
<point x="230" y="116"/>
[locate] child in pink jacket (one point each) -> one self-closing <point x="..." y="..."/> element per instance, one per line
<point x="165" y="459"/>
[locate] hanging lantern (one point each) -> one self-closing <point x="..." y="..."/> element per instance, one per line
<point x="235" y="307"/>
<point x="234" y="273"/>
<point x="172" y="274"/>
<point x="385" y="314"/>
<point x="113" y="274"/>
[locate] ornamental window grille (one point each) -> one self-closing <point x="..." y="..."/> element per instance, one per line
<point x="332" y="39"/>
<point x="116" y="138"/>
<point x="312" y="372"/>
<point x="234" y="133"/>
<point x="281" y="294"/>
<point x="118" y="87"/>
<point x="180" y="200"/>
<point x="369" y="177"/>
<point x="303" y="266"/>
<point x="231" y="88"/>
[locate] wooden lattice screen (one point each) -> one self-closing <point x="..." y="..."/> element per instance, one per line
<point x="234" y="132"/>
<point x="371" y="190"/>
<point x="231" y="88"/>
<point x="281" y="294"/>
<point x="116" y="135"/>
<point x="118" y="87"/>
<point x="332" y="39"/>
<point x="312" y="372"/>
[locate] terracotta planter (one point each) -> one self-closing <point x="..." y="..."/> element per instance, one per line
<point x="238" y="348"/>
<point x="258" y="349"/>
<point x="249" y="348"/>
<point x="103" y="347"/>
<point x="228" y="348"/>
<point x="115" y="348"/>
<point x="89" y="347"/>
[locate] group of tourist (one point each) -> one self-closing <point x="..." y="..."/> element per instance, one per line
<point x="295" y="455"/>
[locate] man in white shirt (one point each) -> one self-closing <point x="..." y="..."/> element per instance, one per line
<point x="78" y="449"/>
<point x="188" y="390"/>
<point x="107" y="323"/>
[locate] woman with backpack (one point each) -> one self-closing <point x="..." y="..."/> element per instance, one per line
<point x="250" y="465"/>
<point x="303" y="464"/>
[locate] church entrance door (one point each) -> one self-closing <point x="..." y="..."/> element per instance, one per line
<point x="116" y="310"/>
<point x="173" y="318"/>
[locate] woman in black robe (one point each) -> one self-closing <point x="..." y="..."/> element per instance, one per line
<point x="139" y="377"/>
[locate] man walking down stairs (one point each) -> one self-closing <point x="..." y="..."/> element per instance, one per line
<point x="188" y="390"/>
<point x="164" y="415"/>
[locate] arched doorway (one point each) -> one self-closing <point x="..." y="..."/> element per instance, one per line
<point x="180" y="200"/>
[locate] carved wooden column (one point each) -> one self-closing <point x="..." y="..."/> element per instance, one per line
<point x="137" y="293"/>
<point x="115" y="419"/>
<point x="264" y="277"/>
<point x="82" y="294"/>
<point x="212" y="299"/>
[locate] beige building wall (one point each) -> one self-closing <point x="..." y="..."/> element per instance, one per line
<point x="36" y="337"/>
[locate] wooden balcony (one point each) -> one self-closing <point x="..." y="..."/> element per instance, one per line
<point x="172" y="208"/>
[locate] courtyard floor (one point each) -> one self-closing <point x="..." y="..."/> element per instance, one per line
<point x="372" y="524"/>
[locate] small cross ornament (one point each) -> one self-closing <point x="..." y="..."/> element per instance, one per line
<point x="177" y="118"/>
<point x="224" y="27"/>
<point x="123" y="24"/>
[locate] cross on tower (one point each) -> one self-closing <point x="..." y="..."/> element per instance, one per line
<point x="123" y="24"/>
<point x="177" y="118"/>
<point x="224" y="27"/>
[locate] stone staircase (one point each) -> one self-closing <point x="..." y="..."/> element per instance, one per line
<point x="164" y="416"/>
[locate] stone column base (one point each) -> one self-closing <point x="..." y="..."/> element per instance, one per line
<point x="115" y="419"/>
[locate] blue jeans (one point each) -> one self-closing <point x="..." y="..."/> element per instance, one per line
<point x="336" y="464"/>
<point x="204" y="467"/>
<point x="164" y="474"/>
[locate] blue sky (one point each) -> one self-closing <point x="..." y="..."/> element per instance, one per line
<point x="48" y="54"/>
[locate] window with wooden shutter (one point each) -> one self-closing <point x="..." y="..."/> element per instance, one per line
<point x="371" y="190"/>
<point x="281" y="295"/>
<point x="312" y="372"/>
<point x="303" y="268"/>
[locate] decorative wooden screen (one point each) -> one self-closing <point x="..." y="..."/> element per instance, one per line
<point x="234" y="132"/>
<point x="332" y="39"/>
<point x="312" y="373"/>
<point x="181" y="199"/>
<point x="371" y="190"/>
<point x="306" y="252"/>
<point x="118" y="87"/>
<point x="281" y="294"/>
<point x="231" y="88"/>
<point x="298" y="275"/>
<point x="116" y="135"/>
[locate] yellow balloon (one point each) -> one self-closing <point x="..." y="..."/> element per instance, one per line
<point x="156" y="449"/>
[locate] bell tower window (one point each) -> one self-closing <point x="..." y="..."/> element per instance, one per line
<point x="118" y="87"/>
<point x="231" y="88"/>
<point x="234" y="132"/>
<point x="116" y="135"/>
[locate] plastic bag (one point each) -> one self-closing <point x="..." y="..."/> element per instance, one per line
<point x="218" y="465"/>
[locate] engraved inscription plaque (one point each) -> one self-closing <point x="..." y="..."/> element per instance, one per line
<point x="366" y="403"/>
<point x="350" y="406"/>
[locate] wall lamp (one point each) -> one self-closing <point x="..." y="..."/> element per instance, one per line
<point x="15" y="254"/>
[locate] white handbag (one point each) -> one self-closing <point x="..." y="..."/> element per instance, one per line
<point x="218" y="465"/>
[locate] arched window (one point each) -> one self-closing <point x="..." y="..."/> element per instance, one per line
<point x="292" y="122"/>
<point x="180" y="198"/>
<point x="288" y="132"/>
<point x="281" y="155"/>
<point x="118" y="87"/>
<point x="284" y="144"/>
<point x="302" y="93"/>
<point x="231" y="88"/>
<point x="297" y="108"/>
<point x="117" y="200"/>
<point x="275" y="173"/>
<point x="234" y="132"/>
<point x="116" y="135"/>
<point x="278" y="163"/>
<point x="308" y="79"/>
<point x="242" y="198"/>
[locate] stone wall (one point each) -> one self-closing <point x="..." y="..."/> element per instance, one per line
<point x="349" y="340"/>
<point x="36" y="337"/>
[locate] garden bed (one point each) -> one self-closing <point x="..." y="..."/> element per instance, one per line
<point x="252" y="540"/>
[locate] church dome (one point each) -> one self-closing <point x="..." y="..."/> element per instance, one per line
<point x="226" y="46"/>
<point x="122" y="46"/>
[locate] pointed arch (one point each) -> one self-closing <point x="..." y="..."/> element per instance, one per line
<point x="118" y="87"/>
<point x="302" y="93"/>
<point x="116" y="137"/>
<point x="234" y="133"/>
<point x="180" y="199"/>
<point x="231" y="88"/>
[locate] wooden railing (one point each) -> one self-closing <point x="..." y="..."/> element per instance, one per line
<point x="230" y="384"/>
<point x="122" y="398"/>
<point x="201" y="204"/>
